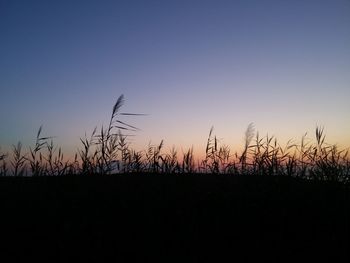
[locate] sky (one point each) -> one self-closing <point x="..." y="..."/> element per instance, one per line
<point x="188" y="65"/>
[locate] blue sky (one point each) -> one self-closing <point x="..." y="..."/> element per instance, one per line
<point x="284" y="65"/>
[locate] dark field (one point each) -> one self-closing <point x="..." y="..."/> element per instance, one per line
<point x="172" y="218"/>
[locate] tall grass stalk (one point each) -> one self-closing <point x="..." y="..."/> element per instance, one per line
<point x="35" y="158"/>
<point x="18" y="162"/>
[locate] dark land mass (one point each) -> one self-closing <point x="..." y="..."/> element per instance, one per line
<point x="168" y="218"/>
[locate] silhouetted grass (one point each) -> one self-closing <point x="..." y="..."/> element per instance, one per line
<point x="109" y="152"/>
<point x="270" y="202"/>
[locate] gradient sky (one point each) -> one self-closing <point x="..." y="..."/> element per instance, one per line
<point x="284" y="65"/>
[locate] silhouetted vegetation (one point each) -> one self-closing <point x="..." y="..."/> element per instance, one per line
<point x="269" y="203"/>
<point x="109" y="152"/>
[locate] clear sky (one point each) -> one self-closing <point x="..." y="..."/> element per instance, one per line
<point x="284" y="65"/>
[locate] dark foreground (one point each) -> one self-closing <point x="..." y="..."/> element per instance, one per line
<point x="173" y="219"/>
